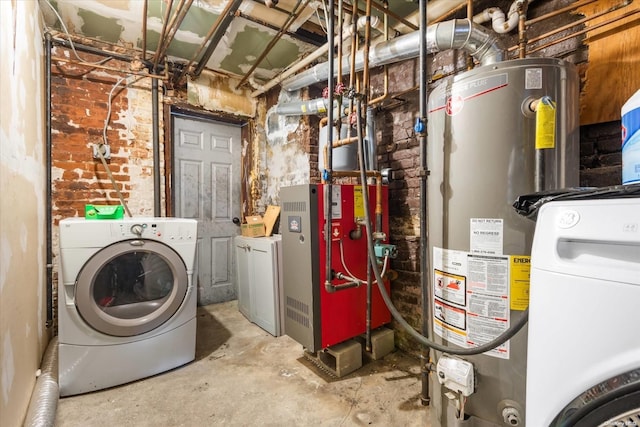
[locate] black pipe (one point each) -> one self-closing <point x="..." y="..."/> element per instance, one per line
<point x="425" y="397"/>
<point x="49" y="215"/>
<point x="328" y="196"/>
<point x="101" y="52"/>
<point x="156" y="148"/>
<point x="221" y="28"/>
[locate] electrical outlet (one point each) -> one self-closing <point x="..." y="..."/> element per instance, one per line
<point x="106" y="151"/>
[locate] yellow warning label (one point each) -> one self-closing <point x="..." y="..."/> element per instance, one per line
<point x="358" y="202"/>
<point x="545" y="124"/>
<point x="520" y="266"/>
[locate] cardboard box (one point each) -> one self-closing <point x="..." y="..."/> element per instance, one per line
<point x="254" y="227"/>
<point x="270" y="219"/>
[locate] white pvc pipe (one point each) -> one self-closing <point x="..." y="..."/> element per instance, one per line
<point x="497" y="17"/>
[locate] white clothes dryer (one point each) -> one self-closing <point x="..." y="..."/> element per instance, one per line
<point x="583" y="363"/>
<point x="126" y="300"/>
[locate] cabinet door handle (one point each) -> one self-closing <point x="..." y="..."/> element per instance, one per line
<point x="245" y="247"/>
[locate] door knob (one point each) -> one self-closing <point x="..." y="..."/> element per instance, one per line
<point x="236" y="221"/>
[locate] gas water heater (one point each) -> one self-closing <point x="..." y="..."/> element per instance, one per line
<point x="494" y="133"/>
<point x="316" y="316"/>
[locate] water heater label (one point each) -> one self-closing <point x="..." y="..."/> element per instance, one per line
<point x="453" y="100"/>
<point x="533" y="78"/>
<point x="520" y="277"/>
<point x="486" y="235"/>
<point x="471" y="298"/>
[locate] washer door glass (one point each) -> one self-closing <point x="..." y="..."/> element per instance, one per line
<point x="131" y="287"/>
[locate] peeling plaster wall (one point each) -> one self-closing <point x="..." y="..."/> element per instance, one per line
<point x="217" y="93"/>
<point x="278" y="161"/>
<point x="79" y="109"/>
<point x="23" y="336"/>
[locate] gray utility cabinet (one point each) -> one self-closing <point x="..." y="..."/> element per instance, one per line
<point x="259" y="275"/>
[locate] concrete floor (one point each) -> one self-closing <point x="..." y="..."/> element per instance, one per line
<point x="243" y="376"/>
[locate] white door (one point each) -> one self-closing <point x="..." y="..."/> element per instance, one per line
<point x="207" y="188"/>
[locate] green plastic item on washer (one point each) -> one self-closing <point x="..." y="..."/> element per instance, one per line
<point x="103" y="211"/>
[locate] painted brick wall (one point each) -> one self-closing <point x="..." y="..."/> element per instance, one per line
<point x="79" y="109"/>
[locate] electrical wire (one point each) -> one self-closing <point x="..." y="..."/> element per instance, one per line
<point x="352" y="276"/>
<point x="73" y="48"/>
<point x="496" y="342"/>
<point x="105" y="141"/>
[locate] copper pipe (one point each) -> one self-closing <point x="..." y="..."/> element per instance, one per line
<point x="382" y="8"/>
<point x="586" y="30"/>
<point x="573" y="24"/>
<point x="385" y="92"/>
<point x="569" y="26"/>
<point x="104" y="67"/>
<point x="365" y="52"/>
<point x="156" y="57"/>
<point x="213" y="29"/>
<point x="386" y="11"/>
<point x="445" y="15"/>
<point x="336" y="144"/>
<point x="346" y="174"/>
<point x="144" y="30"/>
<point x="295" y="13"/>
<point x="558" y="12"/>
<point x="354" y="47"/>
<point x="469" y="16"/>
<point x="181" y="13"/>
<point x="522" y="30"/>
<point x="369" y="174"/>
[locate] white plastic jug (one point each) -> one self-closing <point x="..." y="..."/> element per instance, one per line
<point x="631" y="140"/>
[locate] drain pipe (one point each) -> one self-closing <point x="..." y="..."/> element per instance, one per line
<point x="44" y="399"/>
<point x="423" y="172"/>
<point x="47" y="115"/>
<point x="157" y="211"/>
<point x="326" y="174"/>
<point x="455" y="34"/>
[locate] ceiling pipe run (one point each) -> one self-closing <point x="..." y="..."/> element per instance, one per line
<point x="322" y="50"/>
<point x="223" y="22"/>
<point x="156" y="57"/>
<point x="295" y="13"/>
<point x="455" y="34"/>
<point x="181" y="13"/>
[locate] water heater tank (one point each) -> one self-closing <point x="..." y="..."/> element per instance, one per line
<point x="481" y="156"/>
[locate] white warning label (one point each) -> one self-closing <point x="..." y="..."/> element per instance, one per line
<point x="471" y="298"/>
<point x="486" y="236"/>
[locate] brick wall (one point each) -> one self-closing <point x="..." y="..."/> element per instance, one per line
<point x="600" y="155"/>
<point x="79" y="101"/>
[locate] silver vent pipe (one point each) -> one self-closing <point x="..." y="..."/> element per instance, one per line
<point x="44" y="398"/>
<point x="455" y="34"/>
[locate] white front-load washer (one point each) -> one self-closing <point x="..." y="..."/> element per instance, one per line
<point x="583" y="363"/>
<point x="126" y="300"/>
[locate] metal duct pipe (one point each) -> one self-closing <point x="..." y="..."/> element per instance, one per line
<point x="44" y="399"/>
<point x="455" y="34"/>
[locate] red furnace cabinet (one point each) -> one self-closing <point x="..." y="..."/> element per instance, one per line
<point x="314" y="317"/>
